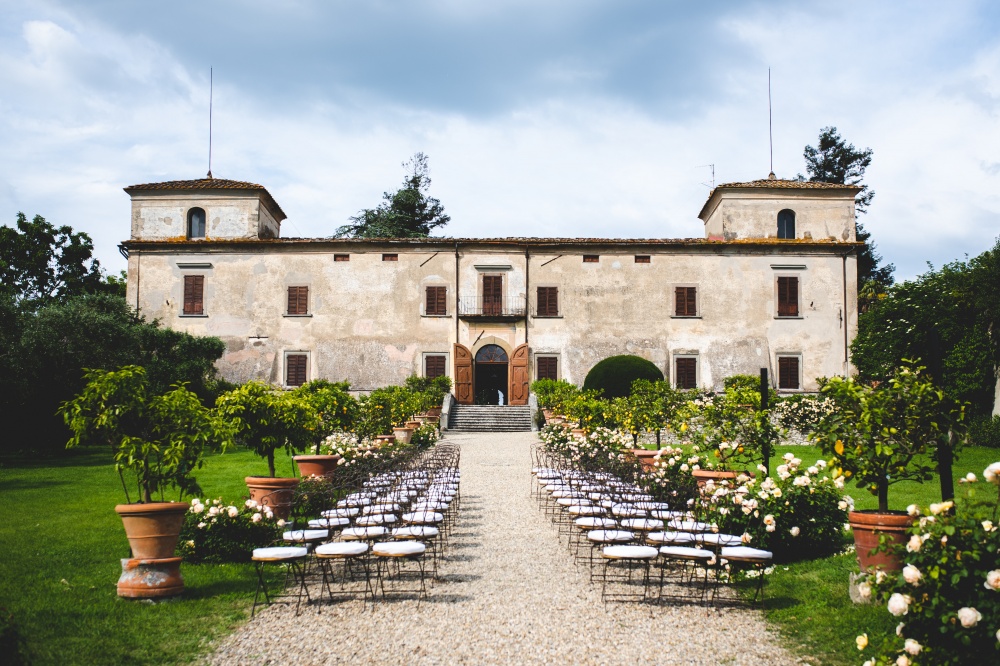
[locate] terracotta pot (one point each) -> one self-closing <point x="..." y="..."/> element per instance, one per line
<point x="579" y="431"/>
<point x="414" y="424"/>
<point x="435" y="412"/>
<point x="548" y="414"/>
<point x="703" y="475"/>
<point x="275" y="493"/>
<point x="867" y="526"/>
<point x="645" y="456"/>
<point x="403" y="434"/>
<point x="150" y="579"/>
<point x="555" y="419"/>
<point x="385" y="439"/>
<point x="317" y="465"/>
<point x="153" y="529"/>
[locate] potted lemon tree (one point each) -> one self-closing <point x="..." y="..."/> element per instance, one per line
<point x="157" y="442"/>
<point x="335" y="410"/>
<point x="264" y="420"/>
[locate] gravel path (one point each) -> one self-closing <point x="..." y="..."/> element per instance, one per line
<point x="508" y="593"/>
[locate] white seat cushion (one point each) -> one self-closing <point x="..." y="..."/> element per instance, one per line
<point x="341" y="549"/>
<point x="686" y="553"/>
<point x="381" y="508"/>
<point x="375" y="519"/>
<point x="629" y="552"/>
<point x="344" y="512"/>
<point x="719" y="539"/>
<point x="277" y="553"/>
<point x="578" y="510"/>
<point x="363" y="532"/>
<point x="591" y="523"/>
<point x="329" y="522"/>
<point x="644" y="524"/>
<point x="398" y="548"/>
<point x="746" y="554"/>
<point x="430" y="506"/>
<point x="666" y="514"/>
<point x="610" y="536"/>
<point x="689" y="526"/>
<point x="670" y="537"/>
<point x="626" y="510"/>
<point x="423" y="517"/>
<point x="305" y="535"/>
<point x="415" y="532"/>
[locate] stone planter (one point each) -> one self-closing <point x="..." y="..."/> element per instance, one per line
<point x="317" y="465"/>
<point x="273" y="492"/>
<point x="150" y="579"/>
<point x="868" y="526"/>
<point x="702" y="476"/>
<point x="403" y="434"/>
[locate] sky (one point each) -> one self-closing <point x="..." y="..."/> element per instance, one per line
<point x="592" y="118"/>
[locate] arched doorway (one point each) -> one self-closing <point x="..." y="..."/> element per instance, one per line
<point x="490" y="375"/>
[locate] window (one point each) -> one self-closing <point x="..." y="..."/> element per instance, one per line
<point x="196" y="223"/>
<point x="786" y="224"/>
<point x="298" y="300"/>
<point x="390" y="257"/>
<point x="788" y="372"/>
<point x="547" y="367"/>
<point x="194" y="295"/>
<point x="492" y="294"/>
<point x="341" y="257"/>
<point x="685" y="372"/>
<point x="788" y="297"/>
<point x="296" y="369"/>
<point x="591" y="258"/>
<point x="434" y="365"/>
<point x="436" y="303"/>
<point x="548" y="302"/>
<point x="686" y="302"/>
<point x="642" y="258"/>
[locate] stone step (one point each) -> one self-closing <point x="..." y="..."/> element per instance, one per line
<point x="490" y="418"/>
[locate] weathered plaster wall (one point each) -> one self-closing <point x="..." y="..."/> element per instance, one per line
<point x="742" y="214"/>
<point x="229" y="216"/>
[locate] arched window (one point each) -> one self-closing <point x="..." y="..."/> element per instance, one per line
<point x="196" y="223"/>
<point x="491" y="354"/>
<point x="786" y="224"/>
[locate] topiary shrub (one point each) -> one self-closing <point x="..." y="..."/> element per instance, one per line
<point x="614" y="375"/>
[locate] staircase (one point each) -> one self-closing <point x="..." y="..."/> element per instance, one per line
<point x="489" y="418"/>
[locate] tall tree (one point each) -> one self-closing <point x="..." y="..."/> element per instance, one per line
<point x="406" y="213"/>
<point x="833" y="160"/>
<point x="41" y="263"/>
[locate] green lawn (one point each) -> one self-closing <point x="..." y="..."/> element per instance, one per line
<point x="61" y="545"/>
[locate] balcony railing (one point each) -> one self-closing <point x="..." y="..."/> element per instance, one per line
<point x="476" y="307"/>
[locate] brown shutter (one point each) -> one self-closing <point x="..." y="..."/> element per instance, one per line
<point x="518" y="384"/>
<point x="298" y="300"/>
<point x="194" y="289"/>
<point x="546" y="367"/>
<point x="492" y="294"/>
<point x="436" y="298"/>
<point x="434" y="366"/>
<point x="548" y="302"/>
<point x="463" y="374"/>
<point x="685" y="373"/>
<point x="788" y="297"/>
<point x="686" y="301"/>
<point x="788" y="372"/>
<point x="642" y="258"/>
<point x="295" y="369"/>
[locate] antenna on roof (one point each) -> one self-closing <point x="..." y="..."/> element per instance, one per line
<point x="770" y="130"/>
<point x="712" y="167"/>
<point x="210" y="91"/>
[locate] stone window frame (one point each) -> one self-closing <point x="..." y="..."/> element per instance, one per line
<point x="308" y="312"/>
<point x="685" y="355"/>
<point x="559" y="301"/>
<point x="788" y="273"/>
<point x="556" y="356"/>
<point x="204" y="223"/>
<point x="423" y="302"/>
<point x="423" y="362"/>
<point x="797" y="355"/>
<point x="284" y="366"/>
<point x="697" y="300"/>
<point x="782" y="234"/>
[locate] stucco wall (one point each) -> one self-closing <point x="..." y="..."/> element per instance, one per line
<point x="741" y="214"/>
<point x="228" y="216"/>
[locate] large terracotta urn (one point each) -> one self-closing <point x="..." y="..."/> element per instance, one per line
<point x="403" y="434"/>
<point x="646" y="457"/>
<point x="317" y="465"/>
<point x="273" y="492"/>
<point x="702" y="476"/>
<point x="868" y="526"/>
<point x="152" y="529"/>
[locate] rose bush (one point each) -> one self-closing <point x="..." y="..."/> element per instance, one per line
<point x="216" y="532"/>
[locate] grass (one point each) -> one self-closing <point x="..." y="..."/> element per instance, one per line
<point x="808" y="601"/>
<point x="61" y="544"/>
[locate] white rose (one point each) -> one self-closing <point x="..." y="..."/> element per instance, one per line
<point x="746" y="538"/>
<point x="971" y="478"/>
<point x="862" y="641"/>
<point x="865" y="590"/>
<point x="770" y="528"/>
<point x="992" y="473"/>
<point x="281" y="522"/>
<point x="198" y="508"/>
<point x="256" y="517"/>
<point x="902" y="660"/>
<point x="201" y="525"/>
<point x="913" y="510"/>
<point x="788" y="457"/>
<point x="813" y="470"/>
<point x="941" y="507"/>
<point x="899" y="628"/>
<point x="914" y="544"/>
<point x="868" y="662"/>
<point x="912" y="647"/>
<point x="899" y="604"/>
<point x="795" y="531"/>
<point x="912" y="575"/>
<point x="213" y="511"/>
<point x="839" y="483"/>
<point x="233" y="512"/>
<point x="969" y="617"/>
<point x="993" y="580"/>
<point x="769" y="519"/>
<point x="988" y="525"/>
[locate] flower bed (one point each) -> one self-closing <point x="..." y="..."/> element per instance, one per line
<point x="217" y="532"/>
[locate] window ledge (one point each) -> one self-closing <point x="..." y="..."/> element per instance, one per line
<point x="786" y="317"/>
<point x="441" y="316"/>
<point x="546" y="316"/>
<point x="296" y="316"/>
<point x="193" y="316"/>
<point x="685" y="316"/>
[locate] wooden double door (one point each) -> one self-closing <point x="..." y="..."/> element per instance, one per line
<point x="490" y="366"/>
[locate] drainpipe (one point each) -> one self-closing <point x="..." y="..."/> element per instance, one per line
<point x="527" y="289"/>
<point x="847" y="361"/>
<point x="456" y="292"/>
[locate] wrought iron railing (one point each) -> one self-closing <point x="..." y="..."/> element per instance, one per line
<point x="477" y="306"/>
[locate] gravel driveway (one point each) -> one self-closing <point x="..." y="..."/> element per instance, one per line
<point x="508" y="593"/>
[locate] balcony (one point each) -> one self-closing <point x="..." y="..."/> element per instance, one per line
<point x="477" y="308"/>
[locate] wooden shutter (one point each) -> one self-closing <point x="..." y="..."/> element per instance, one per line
<point x="463" y="374"/>
<point x="434" y="366"/>
<point x="642" y="258"/>
<point x="518" y="383"/>
<point x="788" y="297"/>
<point x="295" y="369"/>
<point x="298" y="300"/>
<point x="341" y="257"/>
<point x="194" y="291"/>
<point x="548" y="302"/>
<point x="437" y="303"/>
<point x="686" y="301"/>
<point x="390" y="257"/>
<point x="591" y="258"/>
<point x="685" y="373"/>
<point x="547" y="367"/>
<point x="788" y="372"/>
<point x="492" y="294"/>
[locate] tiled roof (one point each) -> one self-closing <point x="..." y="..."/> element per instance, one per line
<point x="208" y="184"/>
<point x="767" y="183"/>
